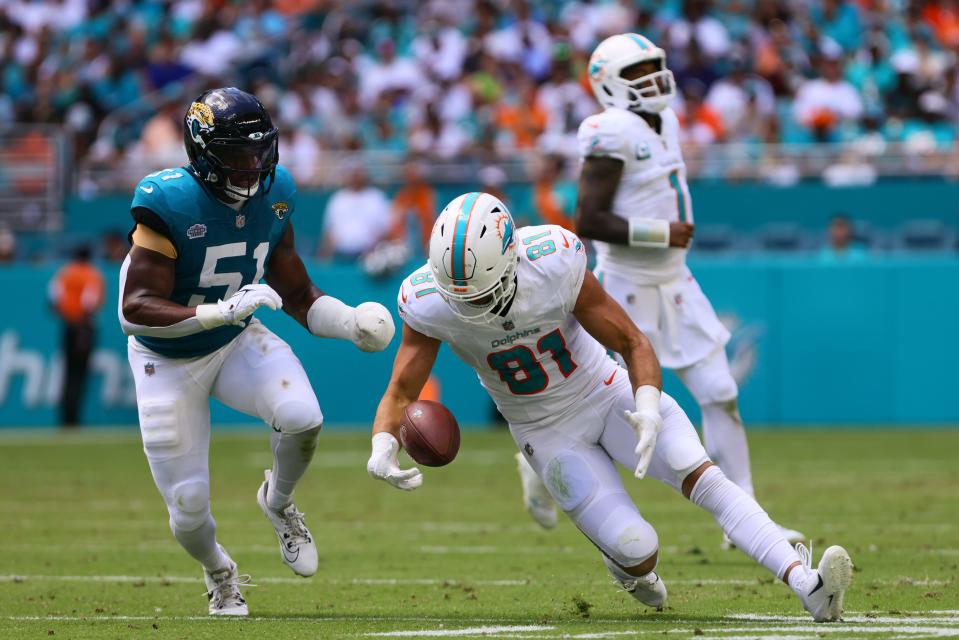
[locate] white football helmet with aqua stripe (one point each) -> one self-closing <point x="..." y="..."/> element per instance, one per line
<point x="650" y="92"/>
<point x="473" y="256"/>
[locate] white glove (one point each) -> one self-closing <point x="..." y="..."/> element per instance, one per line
<point x="383" y="465"/>
<point x="647" y="422"/>
<point x="368" y="326"/>
<point x="373" y="327"/>
<point x="239" y="306"/>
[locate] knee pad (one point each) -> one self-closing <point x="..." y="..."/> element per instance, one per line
<point x="570" y="480"/>
<point x="297" y="416"/>
<point x="719" y="389"/>
<point x="628" y="539"/>
<point x="190" y="505"/>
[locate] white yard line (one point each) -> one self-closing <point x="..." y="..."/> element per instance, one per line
<point x="468" y="631"/>
<point x="488" y="550"/>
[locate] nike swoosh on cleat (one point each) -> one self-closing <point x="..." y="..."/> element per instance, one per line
<point x="818" y="587"/>
<point x="288" y="557"/>
<point x="608" y="381"/>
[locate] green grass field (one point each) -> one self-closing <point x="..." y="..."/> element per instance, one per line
<point x="85" y="551"/>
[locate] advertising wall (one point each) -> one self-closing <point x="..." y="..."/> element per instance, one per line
<point x="861" y="344"/>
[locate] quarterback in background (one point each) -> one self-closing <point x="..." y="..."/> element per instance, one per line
<point x="520" y="307"/>
<point x="635" y="205"/>
<point x="204" y="236"/>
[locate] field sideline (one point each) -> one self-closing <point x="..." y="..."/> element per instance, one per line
<point x="85" y="551"/>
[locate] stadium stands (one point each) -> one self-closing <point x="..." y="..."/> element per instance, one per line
<point x="770" y="91"/>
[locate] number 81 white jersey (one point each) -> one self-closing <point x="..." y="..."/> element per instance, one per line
<point x="653" y="185"/>
<point x="536" y="361"/>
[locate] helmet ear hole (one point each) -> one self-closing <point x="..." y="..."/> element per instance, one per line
<point x="483" y="231"/>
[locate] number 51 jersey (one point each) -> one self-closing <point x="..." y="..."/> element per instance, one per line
<point x="536" y="361"/>
<point x="218" y="249"/>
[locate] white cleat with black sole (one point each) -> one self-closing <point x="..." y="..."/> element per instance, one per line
<point x="648" y="589"/>
<point x="296" y="544"/>
<point x="539" y="504"/>
<point x="825" y="587"/>
<point x="223" y="591"/>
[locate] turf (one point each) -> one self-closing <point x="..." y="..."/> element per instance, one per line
<point x="86" y="552"/>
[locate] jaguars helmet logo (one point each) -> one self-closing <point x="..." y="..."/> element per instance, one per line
<point x="280" y="209"/>
<point x="199" y="119"/>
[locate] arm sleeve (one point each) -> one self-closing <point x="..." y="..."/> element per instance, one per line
<point x="183" y="328"/>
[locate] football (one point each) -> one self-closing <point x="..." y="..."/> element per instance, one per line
<point x="429" y="433"/>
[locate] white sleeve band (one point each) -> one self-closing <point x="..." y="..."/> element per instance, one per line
<point x="182" y="328"/>
<point x="331" y="318"/>
<point x="647" y="399"/>
<point x="648" y="232"/>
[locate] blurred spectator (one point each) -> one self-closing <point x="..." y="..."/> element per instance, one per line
<point x="840" y="245"/>
<point x="556" y="206"/>
<point x="491" y="179"/>
<point x="76" y="293"/>
<point x="8" y="245"/>
<point x="743" y="102"/>
<point x="416" y="201"/>
<point x="520" y="118"/>
<point x="114" y="246"/>
<point x="357" y="218"/>
<point x="824" y="104"/>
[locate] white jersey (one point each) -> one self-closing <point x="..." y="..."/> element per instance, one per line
<point x="537" y="362"/>
<point x="653" y="186"/>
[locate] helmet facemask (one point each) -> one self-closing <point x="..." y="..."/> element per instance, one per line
<point x="649" y="92"/>
<point x="239" y="167"/>
<point x="485" y="306"/>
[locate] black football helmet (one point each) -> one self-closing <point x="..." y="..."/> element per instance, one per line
<point x="231" y="142"/>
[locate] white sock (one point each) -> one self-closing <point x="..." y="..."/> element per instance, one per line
<point x="725" y="440"/>
<point x="201" y="544"/>
<point x="292" y="453"/>
<point x="744" y="521"/>
<point x="797" y="579"/>
<point x="617" y="571"/>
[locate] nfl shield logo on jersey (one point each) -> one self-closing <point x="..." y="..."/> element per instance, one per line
<point x="149" y="368"/>
<point x="240" y="221"/>
<point x="508" y="325"/>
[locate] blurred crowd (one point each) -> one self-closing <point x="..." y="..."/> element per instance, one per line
<point x="446" y="79"/>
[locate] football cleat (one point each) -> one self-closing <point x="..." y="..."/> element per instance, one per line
<point x="792" y="536"/>
<point x="825" y="587"/>
<point x="223" y="591"/>
<point x="539" y="504"/>
<point x="648" y="589"/>
<point x="296" y="544"/>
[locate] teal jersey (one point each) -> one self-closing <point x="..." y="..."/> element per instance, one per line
<point x="218" y="248"/>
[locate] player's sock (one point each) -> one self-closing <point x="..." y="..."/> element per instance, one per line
<point x="201" y="544"/>
<point x="292" y="453"/>
<point x="744" y="521"/>
<point x="725" y="440"/>
<point x="617" y="572"/>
